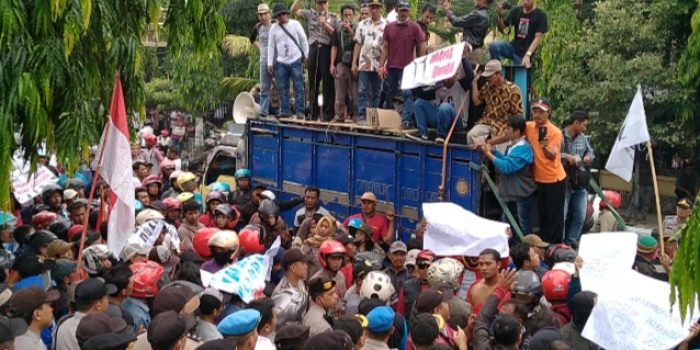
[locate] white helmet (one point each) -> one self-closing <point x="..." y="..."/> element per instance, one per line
<point x="444" y="274"/>
<point x="377" y="284"/>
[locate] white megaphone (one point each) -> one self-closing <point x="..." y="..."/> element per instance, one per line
<point x="244" y="107"/>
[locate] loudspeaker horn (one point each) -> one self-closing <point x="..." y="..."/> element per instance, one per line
<point x="244" y="107"/>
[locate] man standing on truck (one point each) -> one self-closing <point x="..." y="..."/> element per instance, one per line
<point x="322" y="25"/>
<point x="261" y="32"/>
<point x="576" y="156"/>
<point x="531" y="24"/>
<point x="369" y="39"/>
<point x="401" y="41"/>
<point x="502" y="99"/>
<point x="382" y="224"/>
<point x="287" y="50"/>
<point x="475" y="26"/>
<point x="343" y="45"/>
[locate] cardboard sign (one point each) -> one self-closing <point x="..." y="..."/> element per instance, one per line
<point x="436" y="66"/>
<point x="26" y="185"/>
<point x="453" y="230"/>
<point x="603" y="253"/>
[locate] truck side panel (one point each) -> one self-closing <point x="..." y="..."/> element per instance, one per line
<point x="343" y="164"/>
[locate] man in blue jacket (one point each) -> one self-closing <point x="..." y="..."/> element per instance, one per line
<point x="516" y="183"/>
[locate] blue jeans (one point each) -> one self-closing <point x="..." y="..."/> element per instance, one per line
<point x="391" y="85"/>
<point x="525" y="214"/>
<point x="429" y="115"/>
<point x="575" y="200"/>
<point x="369" y="83"/>
<point x="283" y="72"/>
<point x="265" y="86"/>
<point x="503" y="49"/>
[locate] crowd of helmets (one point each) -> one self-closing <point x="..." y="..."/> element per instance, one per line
<point x="331" y="283"/>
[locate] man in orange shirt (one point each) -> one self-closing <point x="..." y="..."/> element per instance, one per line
<point x="546" y="140"/>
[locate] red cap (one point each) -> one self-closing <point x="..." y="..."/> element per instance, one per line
<point x="73" y="231"/>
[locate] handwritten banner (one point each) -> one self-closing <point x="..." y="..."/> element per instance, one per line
<point x="637" y="316"/>
<point x="603" y="253"/>
<point x="453" y="230"/>
<point x="428" y="70"/>
<point x="26" y="185"/>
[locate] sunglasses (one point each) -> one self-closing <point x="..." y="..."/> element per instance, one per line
<point x="423" y="266"/>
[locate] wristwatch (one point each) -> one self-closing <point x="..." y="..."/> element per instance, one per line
<point x="529" y="53"/>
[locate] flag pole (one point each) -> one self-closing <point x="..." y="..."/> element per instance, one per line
<point x="95" y="180"/>
<point x="656" y="197"/>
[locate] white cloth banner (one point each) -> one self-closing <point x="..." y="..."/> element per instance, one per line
<point x="436" y="66"/>
<point x="244" y="278"/>
<point x="603" y="253"/>
<point x="633" y="132"/>
<point x="26" y="185"/>
<point x="453" y="230"/>
<point x="633" y="312"/>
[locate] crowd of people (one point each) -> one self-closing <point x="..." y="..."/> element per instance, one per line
<point x="332" y="283"/>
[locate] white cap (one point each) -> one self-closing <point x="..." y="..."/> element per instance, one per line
<point x="69" y="194"/>
<point x="268" y="194"/>
<point x="411" y="257"/>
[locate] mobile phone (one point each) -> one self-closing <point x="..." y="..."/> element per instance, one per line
<point x="542" y="133"/>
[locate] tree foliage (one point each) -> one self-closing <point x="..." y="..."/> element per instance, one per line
<point x="595" y="64"/>
<point x="685" y="275"/>
<point x="59" y="62"/>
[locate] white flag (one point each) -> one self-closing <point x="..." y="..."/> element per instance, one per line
<point x="633" y="132"/>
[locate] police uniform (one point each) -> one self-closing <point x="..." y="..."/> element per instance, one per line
<point x="340" y="286"/>
<point x="317" y="318"/>
<point x="672" y="225"/>
<point x="319" y="63"/>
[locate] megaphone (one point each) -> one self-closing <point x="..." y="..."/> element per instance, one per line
<point x="244" y="107"/>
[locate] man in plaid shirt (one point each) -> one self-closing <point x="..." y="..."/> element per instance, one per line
<point x="576" y="153"/>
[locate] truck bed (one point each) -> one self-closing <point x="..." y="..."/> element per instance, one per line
<point x="345" y="162"/>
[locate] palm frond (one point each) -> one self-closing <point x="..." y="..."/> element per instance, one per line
<point x="236" y="46"/>
<point x="232" y="86"/>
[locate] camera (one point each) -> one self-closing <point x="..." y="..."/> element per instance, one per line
<point x="506" y="5"/>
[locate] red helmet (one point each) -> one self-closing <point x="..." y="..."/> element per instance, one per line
<point x="613" y="197"/>
<point x="556" y="285"/>
<point x="250" y="239"/>
<point x="146" y="277"/>
<point x="43" y="218"/>
<point x="152" y="179"/>
<point x="426" y="254"/>
<point x="171" y="203"/>
<point x="200" y="241"/>
<point x="329" y="248"/>
<point x="150" y="139"/>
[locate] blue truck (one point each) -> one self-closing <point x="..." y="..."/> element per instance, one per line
<point x="344" y="163"/>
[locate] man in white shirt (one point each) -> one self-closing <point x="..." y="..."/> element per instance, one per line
<point x="34" y="306"/>
<point x="288" y="44"/>
<point x="268" y="323"/>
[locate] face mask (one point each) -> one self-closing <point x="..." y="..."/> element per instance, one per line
<point x="222" y="258"/>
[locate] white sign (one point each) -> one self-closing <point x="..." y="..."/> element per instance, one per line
<point x="633" y="312"/>
<point x="436" y="66"/>
<point x="453" y="230"/>
<point x="603" y="253"/>
<point x="25" y="185"/>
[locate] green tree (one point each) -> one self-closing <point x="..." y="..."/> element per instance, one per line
<point x="59" y="62"/>
<point x="596" y="64"/>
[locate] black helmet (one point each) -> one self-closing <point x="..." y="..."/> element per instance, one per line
<point x="528" y="283"/>
<point x="364" y="263"/>
<point x="48" y="190"/>
<point x="224" y="209"/>
<point x="268" y="207"/>
<point x="41" y="238"/>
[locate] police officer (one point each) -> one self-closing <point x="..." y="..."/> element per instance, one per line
<point x="323" y="300"/>
<point x="290" y="295"/>
<point x="674" y="223"/>
<point x="322" y="25"/>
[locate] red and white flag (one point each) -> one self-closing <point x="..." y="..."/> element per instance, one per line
<point x="115" y="155"/>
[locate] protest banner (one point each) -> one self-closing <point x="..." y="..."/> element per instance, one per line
<point x="436" y="66"/>
<point x="636" y="317"/>
<point x="26" y="185"/>
<point x="603" y="253"/>
<point x="453" y="230"/>
<point x="245" y="278"/>
<point x="147" y="234"/>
